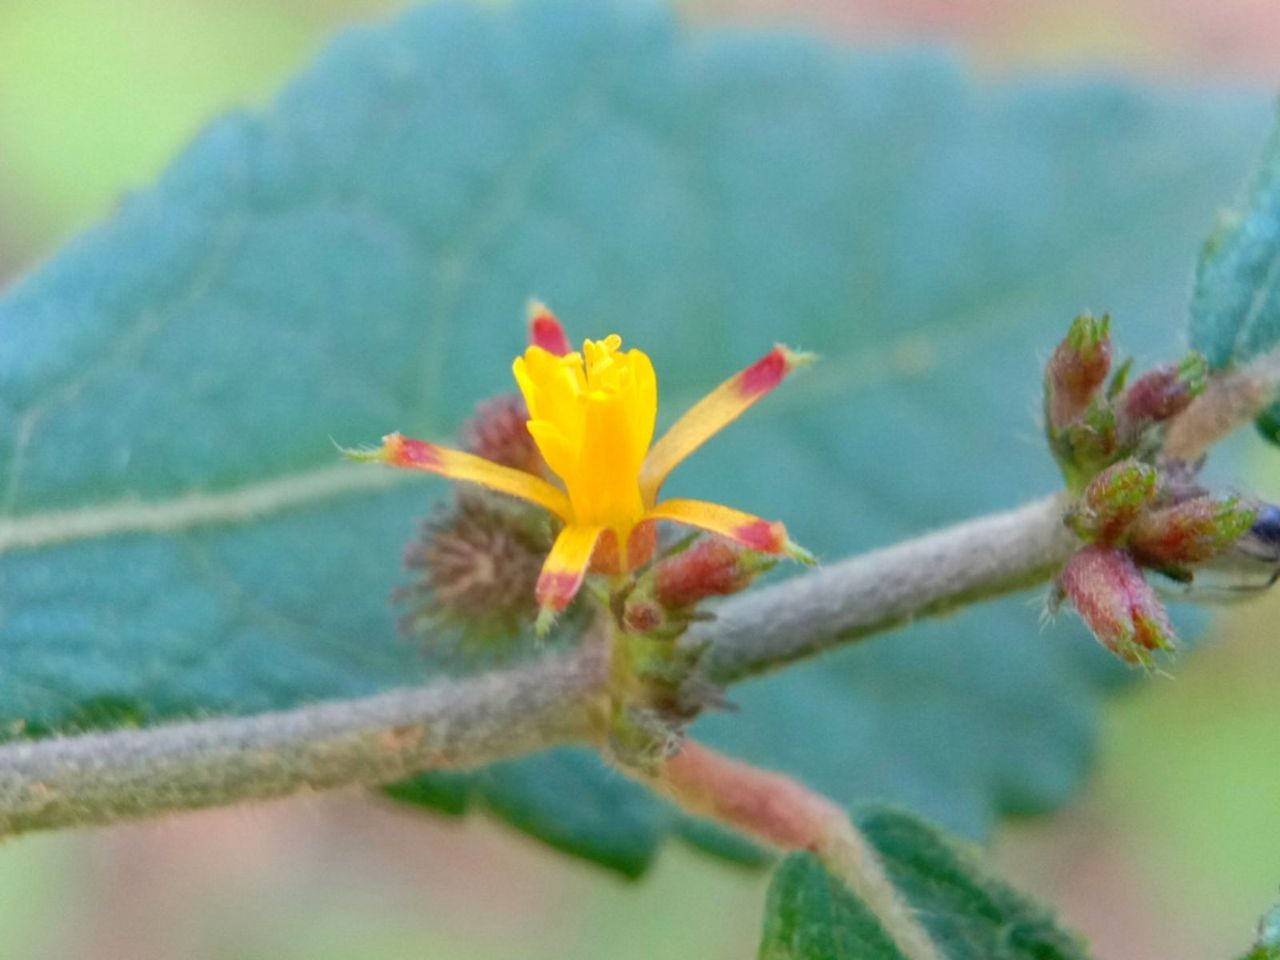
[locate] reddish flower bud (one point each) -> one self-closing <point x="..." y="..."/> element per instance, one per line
<point x="643" y="614"/>
<point x="1076" y="371"/>
<point x="1162" y="393"/>
<point x="1113" y="500"/>
<point x="498" y="431"/>
<point x="478" y="564"/>
<point x="1190" y="532"/>
<point x="1116" y="602"/>
<point x="712" y="567"/>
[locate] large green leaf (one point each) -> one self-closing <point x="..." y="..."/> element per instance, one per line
<point x="355" y="259"/>
<point x="967" y="913"/>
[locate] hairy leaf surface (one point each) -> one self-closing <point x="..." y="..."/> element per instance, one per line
<point x="180" y="539"/>
<point x="966" y="912"/>
<point x="1235" y="307"/>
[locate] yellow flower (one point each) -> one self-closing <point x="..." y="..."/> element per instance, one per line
<point x="592" y="416"/>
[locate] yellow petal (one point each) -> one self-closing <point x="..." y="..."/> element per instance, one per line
<point x="603" y="487"/>
<point x="399" y="451"/>
<point x="713" y="413"/>
<point x="564" y="570"/>
<point x="644" y="406"/>
<point x="744" y="528"/>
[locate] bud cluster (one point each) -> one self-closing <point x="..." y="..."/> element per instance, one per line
<point x="1132" y="510"/>
<point x="1092" y="423"/>
<point x="652" y="614"/>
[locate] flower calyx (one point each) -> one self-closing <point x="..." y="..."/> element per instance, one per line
<point x="1117" y="604"/>
<point x="659" y="688"/>
<point x="1091" y="423"/>
<point x="1133" y="509"/>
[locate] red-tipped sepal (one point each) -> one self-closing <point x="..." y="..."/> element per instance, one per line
<point x="1116" y="602"/>
<point x="767" y="372"/>
<point x="564" y="571"/>
<point x="545" y="330"/>
<point x="407" y="453"/>
<point x="742" y="528"/>
<point x="714" y="412"/>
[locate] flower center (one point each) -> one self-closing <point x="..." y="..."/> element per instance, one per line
<point x="592" y="416"/>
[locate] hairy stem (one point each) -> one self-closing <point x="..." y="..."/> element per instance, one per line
<point x="104" y="777"/>
<point x="784" y="813"/>
<point x="873" y="592"/>
<point x="1230" y="401"/>
<point x="101" y="778"/>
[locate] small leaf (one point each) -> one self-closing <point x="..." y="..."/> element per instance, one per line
<point x="1235" y="307"/>
<point x="968" y="913"/>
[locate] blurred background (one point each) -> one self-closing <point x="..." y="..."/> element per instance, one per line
<point x="1171" y="852"/>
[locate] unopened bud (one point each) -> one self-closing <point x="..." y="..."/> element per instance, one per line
<point x="1087" y="445"/>
<point x="1116" y="602"/>
<point x="1190" y="532"/>
<point x="1076" y="371"/>
<point x="498" y="431"/>
<point x="642" y="614"/>
<point x="711" y="567"/>
<point x="478" y="564"/>
<point x="1113" y="500"/>
<point x="1162" y="393"/>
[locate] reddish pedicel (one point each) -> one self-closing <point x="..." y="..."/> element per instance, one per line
<point x="765" y="374"/>
<point x="762" y="535"/>
<point x="545" y="332"/>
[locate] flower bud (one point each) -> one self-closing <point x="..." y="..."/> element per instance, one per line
<point x="1076" y="371"/>
<point x="477" y="564"/>
<point x="1087" y="445"/>
<point x="643" y="614"/>
<point x="1116" y="602"/>
<point x="1162" y="393"/>
<point x="1113" y="500"/>
<point x="1194" y="531"/>
<point x="497" y="431"/>
<point x="711" y="567"/>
